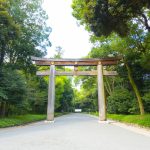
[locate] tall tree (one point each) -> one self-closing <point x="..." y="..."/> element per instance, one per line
<point x="23" y="33"/>
<point x="106" y="16"/>
<point x="33" y="33"/>
<point x="8" y="30"/>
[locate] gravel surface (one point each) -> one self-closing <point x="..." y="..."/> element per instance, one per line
<point x="72" y="132"/>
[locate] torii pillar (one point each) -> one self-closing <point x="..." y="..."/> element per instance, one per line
<point x="101" y="93"/>
<point x="51" y="94"/>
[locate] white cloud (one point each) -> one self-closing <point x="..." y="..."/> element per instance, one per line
<point x="65" y="32"/>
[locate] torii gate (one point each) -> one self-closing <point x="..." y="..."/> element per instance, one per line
<point x="76" y="62"/>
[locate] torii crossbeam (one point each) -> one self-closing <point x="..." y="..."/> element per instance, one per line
<point x="76" y="62"/>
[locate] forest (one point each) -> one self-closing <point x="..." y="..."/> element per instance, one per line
<point x="117" y="29"/>
<point x="25" y="33"/>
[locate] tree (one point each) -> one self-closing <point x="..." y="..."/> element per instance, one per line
<point x="37" y="93"/>
<point x="64" y="94"/>
<point x="67" y="96"/>
<point x="121" y="101"/>
<point x="12" y="89"/>
<point x="9" y="30"/>
<point x="106" y="16"/>
<point x="59" y="52"/>
<point x="86" y="97"/>
<point x="131" y="48"/>
<point x="33" y="36"/>
<point x="23" y="33"/>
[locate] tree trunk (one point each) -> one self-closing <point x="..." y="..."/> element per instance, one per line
<point x="135" y="88"/>
<point x="2" y="54"/>
<point x="3" y="109"/>
<point x="107" y="86"/>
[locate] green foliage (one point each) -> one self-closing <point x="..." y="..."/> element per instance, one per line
<point x="106" y="16"/>
<point x="64" y="94"/>
<point x="86" y="97"/>
<point x="23" y="119"/>
<point x="3" y="95"/>
<point x="132" y="49"/>
<point x="67" y="100"/>
<point x="146" y="101"/>
<point x="8" y="30"/>
<point x="130" y="20"/>
<point x="141" y="120"/>
<point x="20" y="120"/>
<point x="24" y="33"/>
<point x="37" y="93"/>
<point x="121" y="101"/>
<point x="13" y="89"/>
<point x="20" y="94"/>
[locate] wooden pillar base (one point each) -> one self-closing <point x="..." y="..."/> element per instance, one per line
<point x="50" y="117"/>
<point x="102" y="118"/>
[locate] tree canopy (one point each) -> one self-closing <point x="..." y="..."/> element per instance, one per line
<point x="106" y="16"/>
<point x="24" y="32"/>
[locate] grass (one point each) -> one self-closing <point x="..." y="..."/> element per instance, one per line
<point x="23" y="119"/>
<point x="140" y="120"/>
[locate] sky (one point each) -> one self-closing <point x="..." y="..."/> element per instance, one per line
<point x="73" y="39"/>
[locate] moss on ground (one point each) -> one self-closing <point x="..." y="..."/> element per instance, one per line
<point x="23" y="119"/>
<point x="141" y="120"/>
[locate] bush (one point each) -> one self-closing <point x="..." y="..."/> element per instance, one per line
<point x="12" y="91"/>
<point x="146" y="101"/>
<point x="121" y="101"/>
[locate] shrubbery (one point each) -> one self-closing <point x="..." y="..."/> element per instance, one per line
<point x="146" y="101"/>
<point x="13" y="90"/>
<point x="121" y="101"/>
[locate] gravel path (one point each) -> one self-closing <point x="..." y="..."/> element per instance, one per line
<point x="72" y="132"/>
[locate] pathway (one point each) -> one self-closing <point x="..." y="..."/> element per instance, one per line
<point x="72" y="132"/>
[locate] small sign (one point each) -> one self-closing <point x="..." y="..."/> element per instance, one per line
<point x="78" y="110"/>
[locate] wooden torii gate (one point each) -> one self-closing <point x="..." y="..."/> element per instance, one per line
<point x="76" y="62"/>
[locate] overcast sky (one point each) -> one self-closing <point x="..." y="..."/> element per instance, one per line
<point x="65" y="33"/>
